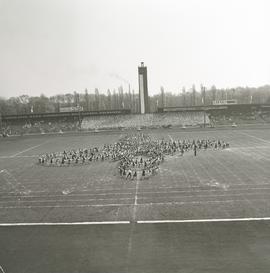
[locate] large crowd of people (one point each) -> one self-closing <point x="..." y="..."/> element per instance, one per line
<point x="149" y="120"/>
<point x="40" y="127"/>
<point x="138" y="155"/>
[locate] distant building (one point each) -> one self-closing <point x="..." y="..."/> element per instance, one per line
<point x="143" y="89"/>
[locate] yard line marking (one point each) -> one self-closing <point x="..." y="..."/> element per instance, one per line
<point x="258" y="138"/>
<point x="78" y="194"/>
<point x="204" y="220"/>
<point x="63" y="200"/>
<point x="65" y="206"/>
<point x="135" y="201"/>
<point x="29" y="149"/>
<point x="64" y="223"/>
<point x="68" y="195"/>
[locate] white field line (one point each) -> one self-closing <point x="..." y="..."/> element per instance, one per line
<point x="258" y="138"/>
<point x="66" y="200"/>
<point x="29" y="149"/>
<point x="65" y="206"/>
<point x="80" y="194"/>
<point x="140" y="204"/>
<point x="64" y="223"/>
<point x="138" y="222"/>
<point x="71" y="195"/>
<point x="205" y="220"/>
<point x="66" y="195"/>
<point x="135" y="201"/>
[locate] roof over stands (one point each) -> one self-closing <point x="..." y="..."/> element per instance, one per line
<point x="76" y="114"/>
<point x="214" y="107"/>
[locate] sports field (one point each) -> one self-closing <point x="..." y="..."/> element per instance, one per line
<point x="207" y="213"/>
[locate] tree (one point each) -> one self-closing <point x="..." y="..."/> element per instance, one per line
<point x="162" y="97"/>
<point x="184" y="95"/>
<point x="109" y="100"/>
<point x="86" y="100"/>
<point x="96" y="99"/>
<point x="214" y="92"/>
<point x="193" y="95"/>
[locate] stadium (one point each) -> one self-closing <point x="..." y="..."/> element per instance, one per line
<point x="184" y="187"/>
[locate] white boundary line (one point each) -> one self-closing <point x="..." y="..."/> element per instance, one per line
<point x="135" y="201"/>
<point x="205" y="220"/>
<point x="139" y="222"/>
<point x="64" y="224"/>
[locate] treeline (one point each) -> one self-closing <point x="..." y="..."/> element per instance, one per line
<point x="120" y="99"/>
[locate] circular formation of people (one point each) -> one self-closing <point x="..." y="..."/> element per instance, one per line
<point x="138" y="155"/>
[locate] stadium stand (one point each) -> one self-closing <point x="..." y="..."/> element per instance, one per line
<point x="171" y="117"/>
<point x="40" y="127"/>
<point x="144" y="121"/>
<point x="265" y="115"/>
<point x="228" y="117"/>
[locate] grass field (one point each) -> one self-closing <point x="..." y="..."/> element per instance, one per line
<point x="223" y="184"/>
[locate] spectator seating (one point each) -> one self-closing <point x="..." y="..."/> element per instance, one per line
<point x="38" y="127"/>
<point x="146" y="120"/>
<point x="229" y="118"/>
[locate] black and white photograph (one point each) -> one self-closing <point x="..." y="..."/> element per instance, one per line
<point x="134" y="136"/>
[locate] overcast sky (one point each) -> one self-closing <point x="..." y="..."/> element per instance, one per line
<point x="59" y="46"/>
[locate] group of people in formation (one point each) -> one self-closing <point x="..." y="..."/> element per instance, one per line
<point x="138" y="155"/>
<point x="144" y="155"/>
